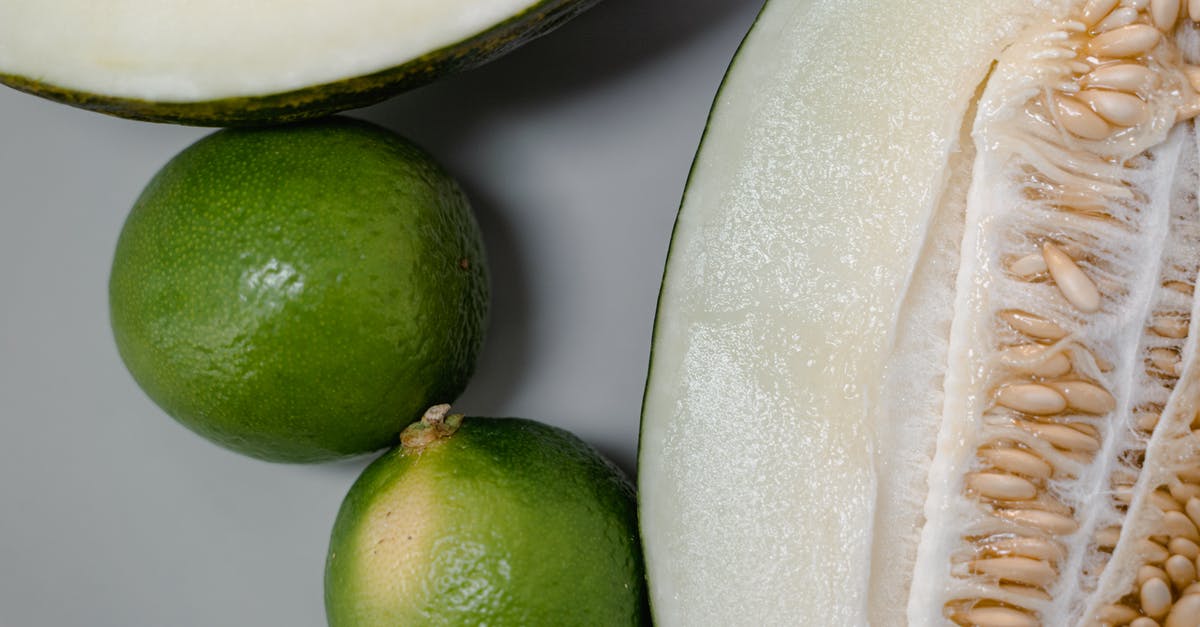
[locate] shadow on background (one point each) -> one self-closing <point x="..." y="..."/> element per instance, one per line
<point x="611" y="39"/>
<point x="607" y="42"/>
<point x="623" y="456"/>
<point x="505" y="350"/>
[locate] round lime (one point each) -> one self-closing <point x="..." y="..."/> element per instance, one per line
<point x="482" y="521"/>
<point x="300" y="293"/>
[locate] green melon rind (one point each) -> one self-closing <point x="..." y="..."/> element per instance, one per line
<point x="658" y="311"/>
<point x="326" y="98"/>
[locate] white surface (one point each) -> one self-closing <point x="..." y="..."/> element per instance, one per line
<point x="575" y="150"/>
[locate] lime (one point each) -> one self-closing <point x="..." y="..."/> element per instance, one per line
<point x="300" y="293"/>
<point x="483" y="521"/>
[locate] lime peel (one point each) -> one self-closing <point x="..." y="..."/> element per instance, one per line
<point x="298" y="293"/>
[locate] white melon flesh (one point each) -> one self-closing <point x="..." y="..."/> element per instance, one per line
<point x="922" y="354"/>
<point x="182" y="51"/>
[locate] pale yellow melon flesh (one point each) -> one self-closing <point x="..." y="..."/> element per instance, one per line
<point x="225" y="61"/>
<point x="825" y="394"/>
<point x="805" y="210"/>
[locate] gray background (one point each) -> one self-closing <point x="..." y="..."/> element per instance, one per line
<point x="574" y="149"/>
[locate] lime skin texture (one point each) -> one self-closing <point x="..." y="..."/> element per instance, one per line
<point x="506" y="522"/>
<point x="300" y="293"/>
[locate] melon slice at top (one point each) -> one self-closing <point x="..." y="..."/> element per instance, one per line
<point x="924" y="351"/>
<point x="226" y="62"/>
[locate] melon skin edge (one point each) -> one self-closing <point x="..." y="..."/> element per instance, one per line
<point x="803" y="218"/>
<point x="328" y="98"/>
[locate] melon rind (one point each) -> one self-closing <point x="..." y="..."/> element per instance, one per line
<point x="258" y="71"/>
<point x="804" y="216"/>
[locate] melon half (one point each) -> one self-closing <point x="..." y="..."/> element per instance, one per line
<point x="227" y="62"/>
<point x="925" y="351"/>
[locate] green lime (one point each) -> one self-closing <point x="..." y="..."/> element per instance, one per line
<point x="483" y="521"/>
<point x="300" y="293"/>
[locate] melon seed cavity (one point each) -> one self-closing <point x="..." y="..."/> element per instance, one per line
<point x="1072" y="337"/>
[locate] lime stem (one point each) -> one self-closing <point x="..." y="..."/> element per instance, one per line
<point x="437" y="423"/>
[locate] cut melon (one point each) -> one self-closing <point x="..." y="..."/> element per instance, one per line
<point x="924" y="351"/>
<point x="224" y="62"/>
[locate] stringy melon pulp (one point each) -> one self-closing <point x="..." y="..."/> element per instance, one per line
<point x="924" y="351"/>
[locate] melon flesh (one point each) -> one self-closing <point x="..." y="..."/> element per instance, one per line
<point x="126" y="56"/>
<point x="923" y="351"/>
